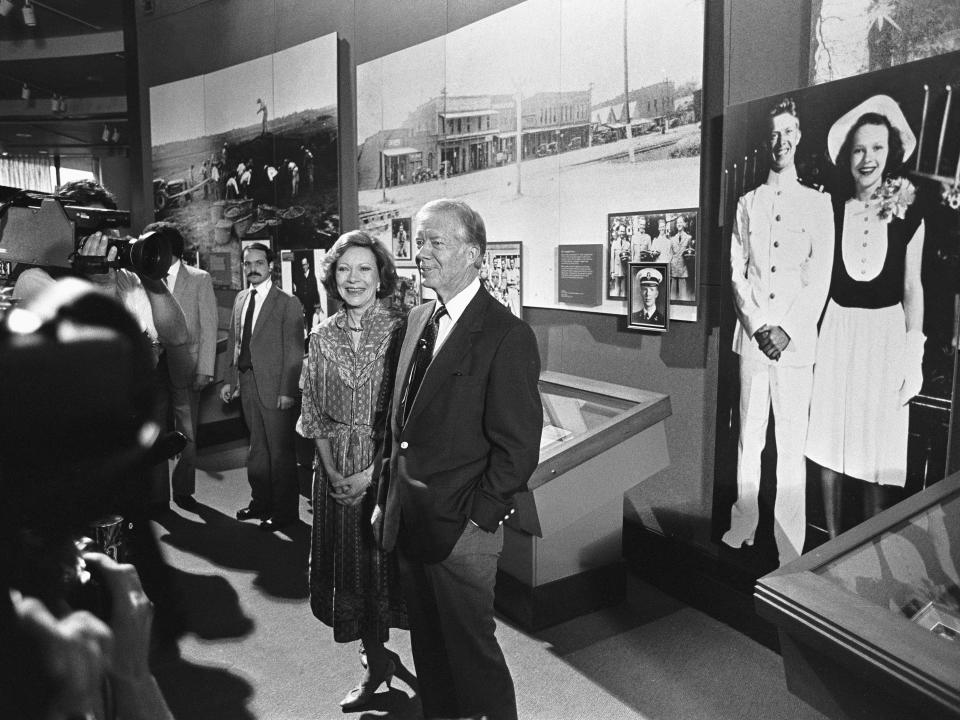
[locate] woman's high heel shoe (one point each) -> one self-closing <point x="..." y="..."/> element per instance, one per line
<point x="363" y="693"/>
<point x="400" y="671"/>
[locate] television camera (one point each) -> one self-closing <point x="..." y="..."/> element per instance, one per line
<point x="47" y="230"/>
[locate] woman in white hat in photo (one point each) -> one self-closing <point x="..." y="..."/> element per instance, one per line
<point x="870" y="350"/>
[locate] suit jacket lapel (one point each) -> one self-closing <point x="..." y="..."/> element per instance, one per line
<point x="263" y="317"/>
<point x="238" y="313"/>
<point x="457" y="343"/>
<point x="179" y="291"/>
<point x="416" y="321"/>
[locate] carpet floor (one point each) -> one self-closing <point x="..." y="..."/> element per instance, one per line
<point x="247" y="646"/>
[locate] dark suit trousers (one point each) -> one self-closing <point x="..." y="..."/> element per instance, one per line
<point x="180" y="409"/>
<point x="461" y="670"/>
<point x="156" y="478"/>
<point x="185" y="403"/>
<point x="272" y="462"/>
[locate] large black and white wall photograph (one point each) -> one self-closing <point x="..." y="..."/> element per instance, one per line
<point x="250" y="151"/>
<point x="545" y="117"/>
<point x="838" y="324"/>
<point x="850" y="37"/>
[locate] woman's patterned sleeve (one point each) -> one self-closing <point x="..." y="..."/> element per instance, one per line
<point x="314" y="422"/>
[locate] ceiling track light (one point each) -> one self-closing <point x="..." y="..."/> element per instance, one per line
<point x="105" y="135"/>
<point x="25" y="92"/>
<point x="55" y="103"/>
<point x="29" y="14"/>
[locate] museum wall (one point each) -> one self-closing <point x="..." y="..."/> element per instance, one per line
<point x="754" y="48"/>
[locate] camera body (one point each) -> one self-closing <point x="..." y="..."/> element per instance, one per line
<point x="48" y="231"/>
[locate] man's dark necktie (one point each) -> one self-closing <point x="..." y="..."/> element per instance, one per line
<point x="243" y="362"/>
<point x="422" y="358"/>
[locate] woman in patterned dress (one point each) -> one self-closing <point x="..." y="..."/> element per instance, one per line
<point x="347" y="383"/>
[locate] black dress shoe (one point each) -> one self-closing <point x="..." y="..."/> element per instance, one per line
<point x="276" y="523"/>
<point x="186" y="502"/>
<point x="251" y="513"/>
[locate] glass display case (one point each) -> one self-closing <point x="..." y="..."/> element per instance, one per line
<point x="869" y="623"/>
<point x="562" y="551"/>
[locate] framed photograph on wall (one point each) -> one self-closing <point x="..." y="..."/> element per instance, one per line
<point x="298" y="276"/>
<point x="502" y="274"/>
<point x="220" y="266"/>
<point x="667" y="236"/>
<point x="400" y="236"/>
<point x="408" y="293"/>
<point x="647" y="304"/>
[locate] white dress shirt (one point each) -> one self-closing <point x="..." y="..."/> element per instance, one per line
<point x="262" y="290"/>
<point x="661" y="245"/>
<point x="171" y="278"/>
<point x="458" y="303"/>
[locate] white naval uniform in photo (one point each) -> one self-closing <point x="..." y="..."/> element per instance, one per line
<point x="781" y="255"/>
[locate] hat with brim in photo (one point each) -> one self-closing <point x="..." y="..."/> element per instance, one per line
<point x="649" y="276"/>
<point x="881" y="105"/>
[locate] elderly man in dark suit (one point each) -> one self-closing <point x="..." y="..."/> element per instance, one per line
<point x="464" y="438"/>
<point x="266" y="335"/>
<point x="193" y="290"/>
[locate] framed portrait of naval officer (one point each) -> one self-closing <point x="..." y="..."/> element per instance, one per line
<point x="648" y="292"/>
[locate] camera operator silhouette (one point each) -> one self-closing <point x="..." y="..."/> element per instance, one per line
<point x="67" y="460"/>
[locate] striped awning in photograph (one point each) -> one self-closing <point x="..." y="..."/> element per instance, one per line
<point x="393" y="152"/>
<point x="467" y="113"/>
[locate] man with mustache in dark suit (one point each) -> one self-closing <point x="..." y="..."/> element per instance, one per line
<point x="266" y="337"/>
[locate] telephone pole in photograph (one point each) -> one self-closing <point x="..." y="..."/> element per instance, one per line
<point x="626" y="86"/>
<point x="517" y="101"/>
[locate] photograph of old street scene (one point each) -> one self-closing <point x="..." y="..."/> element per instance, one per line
<point x="545" y="117"/>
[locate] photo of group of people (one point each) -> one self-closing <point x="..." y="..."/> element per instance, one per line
<point x="841" y="244"/>
<point x="663" y="236"/>
<point x="501" y="274"/>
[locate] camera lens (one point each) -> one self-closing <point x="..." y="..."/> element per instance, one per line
<point x="151" y="256"/>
